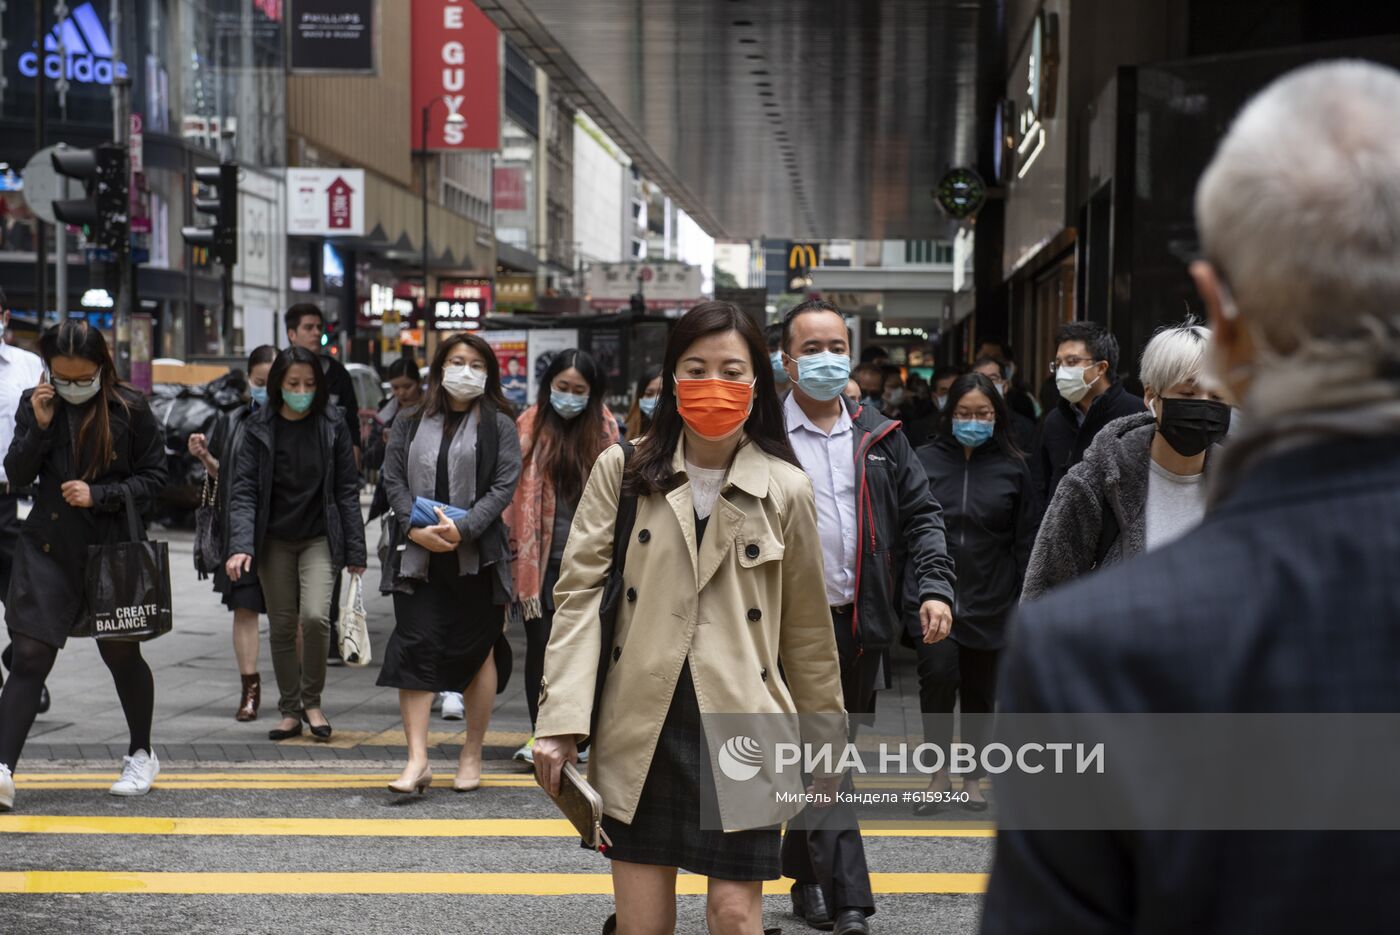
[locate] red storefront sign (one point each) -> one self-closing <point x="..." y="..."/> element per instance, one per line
<point x="471" y="290"/>
<point x="456" y="60"/>
<point x="508" y="188"/>
<point x="338" y="205"/>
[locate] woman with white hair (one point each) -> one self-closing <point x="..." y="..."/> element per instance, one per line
<point x="1141" y="483"/>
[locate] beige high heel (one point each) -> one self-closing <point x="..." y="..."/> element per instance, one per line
<point x="470" y="786"/>
<point x="424" y="780"/>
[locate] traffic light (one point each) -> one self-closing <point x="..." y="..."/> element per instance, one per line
<point x="219" y="198"/>
<point x="105" y="212"/>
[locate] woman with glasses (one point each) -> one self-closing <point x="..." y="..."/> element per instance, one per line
<point x="1142" y="483"/>
<point x="560" y="438"/>
<point x="718" y="578"/>
<point x="451" y="582"/>
<point x="294" y="509"/>
<point x="991" y="510"/>
<point x="86" y="441"/>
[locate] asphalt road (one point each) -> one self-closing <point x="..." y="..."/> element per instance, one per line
<point x="231" y="850"/>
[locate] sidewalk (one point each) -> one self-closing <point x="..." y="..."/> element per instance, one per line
<point x="197" y="688"/>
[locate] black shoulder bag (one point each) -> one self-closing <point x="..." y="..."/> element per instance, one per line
<point x="612" y="588"/>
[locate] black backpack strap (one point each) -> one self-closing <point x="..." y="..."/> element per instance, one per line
<point x="626" y="513"/>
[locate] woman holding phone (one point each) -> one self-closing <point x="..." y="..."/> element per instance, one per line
<point x="451" y="582"/>
<point x="86" y="441"/>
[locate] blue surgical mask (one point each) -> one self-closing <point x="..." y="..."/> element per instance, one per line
<point x="568" y="405"/>
<point x="779" y="374"/>
<point x="973" y="432"/>
<point x="298" y="402"/>
<point x="258" y="394"/>
<point x="648" y="405"/>
<point x="823" y="376"/>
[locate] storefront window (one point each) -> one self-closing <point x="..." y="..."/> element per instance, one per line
<point x="513" y="186"/>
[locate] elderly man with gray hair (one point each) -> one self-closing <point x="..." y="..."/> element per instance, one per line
<point x="1141" y="483"/>
<point x="1284" y="598"/>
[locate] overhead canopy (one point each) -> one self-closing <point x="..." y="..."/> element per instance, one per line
<point x="778" y="118"/>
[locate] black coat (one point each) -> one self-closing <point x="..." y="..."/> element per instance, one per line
<point x="342" y="396"/>
<point x="250" y="489"/>
<point x="46" y="585"/>
<point x="991" y="510"/>
<point x="1063" y="439"/>
<point x="1282" y="600"/>
<point x="902" y="554"/>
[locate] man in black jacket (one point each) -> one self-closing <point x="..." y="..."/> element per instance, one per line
<point x="879" y="528"/>
<point x="1086" y="374"/>
<point x="306" y="325"/>
<point x="1283" y="600"/>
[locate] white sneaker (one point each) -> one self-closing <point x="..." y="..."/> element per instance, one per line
<point x="453" y="708"/>
<point x="526" y="754"/>
<point x="583" y="755"/>
<point x="7" y="789"/>
<point x="138" y="773"/>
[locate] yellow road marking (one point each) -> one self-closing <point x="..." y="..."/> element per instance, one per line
<point x="235" y="774"/>
<point x="372" y="827"/>
<point x="456" y="884"/>
<point x="443" y="782"/>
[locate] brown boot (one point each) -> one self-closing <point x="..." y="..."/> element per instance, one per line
<point x="252" y="697"/>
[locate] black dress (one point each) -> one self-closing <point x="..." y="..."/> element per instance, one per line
<point x="445" y="629"/>
<point x="666" y="828"/>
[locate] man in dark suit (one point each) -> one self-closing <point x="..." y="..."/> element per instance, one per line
<point x="1284" y="599"/>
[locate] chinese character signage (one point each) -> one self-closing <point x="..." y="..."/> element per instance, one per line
<point x="665" y="285"/>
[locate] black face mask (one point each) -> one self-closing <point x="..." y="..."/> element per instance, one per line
<point x="1191" y="426"/>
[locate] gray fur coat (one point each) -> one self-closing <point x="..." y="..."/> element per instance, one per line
<point x="1112" y="476"/>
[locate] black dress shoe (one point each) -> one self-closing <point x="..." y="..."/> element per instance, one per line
<point x="278" y="733"/>
<point x="44" y="700"/>
<point x="809" y="905"/>
<point x="851" y="922"/>
<point x="610" y="926"/>
<point x="319" y="731"/>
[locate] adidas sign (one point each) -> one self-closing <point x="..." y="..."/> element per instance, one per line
<point x="87" y="51"/>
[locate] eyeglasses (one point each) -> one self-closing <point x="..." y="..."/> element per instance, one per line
<point x="1072" y="362"/>
<point x="981" y="415"/>
<point x="59" y="381"/>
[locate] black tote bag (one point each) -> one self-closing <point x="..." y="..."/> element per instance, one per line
<point x="127" y="587"/>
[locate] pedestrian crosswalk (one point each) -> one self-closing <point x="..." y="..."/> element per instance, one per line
<point x="344" y="835"/>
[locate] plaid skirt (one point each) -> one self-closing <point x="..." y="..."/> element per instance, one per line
<point x="666" y="831"/>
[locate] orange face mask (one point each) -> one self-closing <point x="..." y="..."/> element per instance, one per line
<point x="713" y="408"/>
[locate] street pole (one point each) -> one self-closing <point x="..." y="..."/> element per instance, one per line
<point x="423" y="154"/>
<point x="60" y="231"/>
<point x="41" y="258"/>
<point x="121" y="135"/>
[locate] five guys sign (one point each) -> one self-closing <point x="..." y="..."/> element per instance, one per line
<point x="456" y="58"/>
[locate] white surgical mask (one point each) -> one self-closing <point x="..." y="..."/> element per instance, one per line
<point x="75" y="394"/>
<point x="463" y="383"/>
<point x="1070" y="382"/>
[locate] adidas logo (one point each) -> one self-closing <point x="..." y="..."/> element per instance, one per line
<point x="87" y="51"/>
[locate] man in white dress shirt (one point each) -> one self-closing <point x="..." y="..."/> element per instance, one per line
<point x="19" y="370"/>
<point x="883" y="550"/>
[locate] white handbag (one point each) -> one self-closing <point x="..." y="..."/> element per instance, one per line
<point x="354" y="627"/>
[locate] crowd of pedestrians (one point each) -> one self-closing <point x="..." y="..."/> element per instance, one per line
<point x="794" y="520"/>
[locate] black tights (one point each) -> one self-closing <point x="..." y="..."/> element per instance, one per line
<point x="32" y="662"/>
<point x="536" y="640"/>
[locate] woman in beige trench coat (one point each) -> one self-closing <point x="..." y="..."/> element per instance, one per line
<point x="722" y="582"/>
